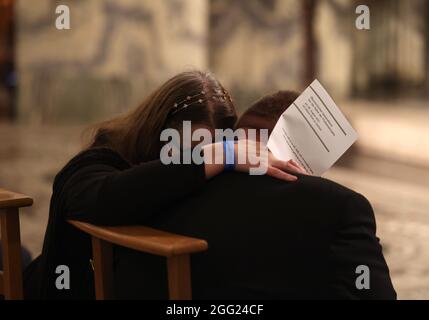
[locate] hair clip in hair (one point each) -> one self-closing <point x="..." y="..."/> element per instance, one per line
<point x="220" y="95"/>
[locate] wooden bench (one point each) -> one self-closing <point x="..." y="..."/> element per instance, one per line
<point x="176" y="248"/>
<point x="11" y="276"/>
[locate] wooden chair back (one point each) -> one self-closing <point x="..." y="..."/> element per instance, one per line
<point x="11" y="276"/>
<point x="176" y="248"/>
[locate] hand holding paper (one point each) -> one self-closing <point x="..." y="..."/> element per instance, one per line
<point x="312" y="131"/>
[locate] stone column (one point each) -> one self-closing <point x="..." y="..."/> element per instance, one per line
<point x="257" y="46"/>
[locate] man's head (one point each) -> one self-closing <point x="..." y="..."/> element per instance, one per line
<point x="265" y="112"/>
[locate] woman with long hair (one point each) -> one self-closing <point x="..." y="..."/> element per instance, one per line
<point x="119" y="179"/>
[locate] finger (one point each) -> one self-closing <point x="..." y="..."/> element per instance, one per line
<point x="297" y="169"/>
<point x="283" y="165"/>
<point x="279" y="174"/>
<point x="301" y="169"/>
<point x="286" y="165"/>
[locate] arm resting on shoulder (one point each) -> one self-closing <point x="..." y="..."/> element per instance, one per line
<point x="104" y="195"/>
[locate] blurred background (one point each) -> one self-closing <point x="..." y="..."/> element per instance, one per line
<point x="54" y="83"/>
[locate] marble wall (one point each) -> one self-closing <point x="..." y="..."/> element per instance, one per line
<point x="113" y="55"/>
<point x="389" y="60"/>
<point x="118" y="50"/>
<point x="335" y="25"/>
<point x="257" y="46"/>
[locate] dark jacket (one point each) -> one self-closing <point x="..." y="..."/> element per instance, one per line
<point x="99" y="187"/>
<point x="268" y="239"/>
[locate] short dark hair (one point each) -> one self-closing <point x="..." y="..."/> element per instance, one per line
<point x="265" y="112"/>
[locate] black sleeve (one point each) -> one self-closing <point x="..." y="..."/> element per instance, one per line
<point x="104" y="195"/>
<point x="356" y="245"/>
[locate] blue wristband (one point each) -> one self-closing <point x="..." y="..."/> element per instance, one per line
<point x="229" y="155"/>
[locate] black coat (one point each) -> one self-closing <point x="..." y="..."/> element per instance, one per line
<point x="267" y="238"/>
<point x="99" y="187"/>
